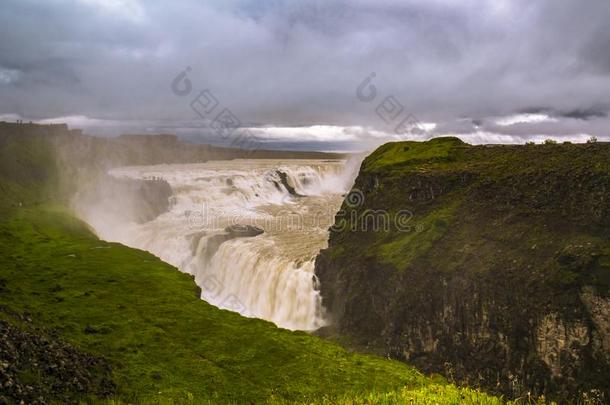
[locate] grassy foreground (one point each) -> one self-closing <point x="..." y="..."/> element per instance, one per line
<point x="163" y="343"/>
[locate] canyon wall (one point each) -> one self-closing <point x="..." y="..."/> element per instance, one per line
<point x="488" y="264"/>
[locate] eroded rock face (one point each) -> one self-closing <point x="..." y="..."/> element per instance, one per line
<point x="211" y="243"/>
<point x="281" y="182"/>
<point x="501" y="278"/>
<point x="599" y="311"/>
<point x="559" y="342"/>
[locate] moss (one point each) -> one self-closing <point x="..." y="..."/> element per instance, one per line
<point x="336" y="252"/>
<point x="28" y="172"/>
<point x="404" y="247"/>
<point x="405" y="155"/>
<point x="431" y="394"/>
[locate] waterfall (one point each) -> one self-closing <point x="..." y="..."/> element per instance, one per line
<point x="269" y="274"/>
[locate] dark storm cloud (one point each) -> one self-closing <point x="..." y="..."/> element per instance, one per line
<point x="459" y="64"/>
<point x="586" y="113"/>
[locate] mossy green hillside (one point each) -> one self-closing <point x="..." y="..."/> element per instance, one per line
<point x="410" y="154"/>
<point x="444" y="394"/>
<point x="28" y="171"/>
<point x="163" y="343"/>
<point x="445" y="182"/>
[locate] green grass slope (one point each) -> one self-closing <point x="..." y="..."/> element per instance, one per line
<point x="164" y="344"/>
<point x="28" y="171"/>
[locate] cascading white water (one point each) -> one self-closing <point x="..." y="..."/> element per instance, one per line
<point x="268" y="276"/>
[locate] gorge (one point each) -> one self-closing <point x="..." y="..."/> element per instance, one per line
<point x="498" y="279"/>
<point x="269" y="276"/>
<point x="390" y="289"/>
<point x="513" y="304"/>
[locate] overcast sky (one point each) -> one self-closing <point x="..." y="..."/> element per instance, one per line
<point x="485" y="70"/>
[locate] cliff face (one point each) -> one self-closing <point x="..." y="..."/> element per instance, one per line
<point x="490" y="265"/>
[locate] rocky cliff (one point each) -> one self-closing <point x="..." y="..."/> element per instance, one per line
<point x="490" y="265"/>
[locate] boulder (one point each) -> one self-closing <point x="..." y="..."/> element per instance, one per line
<point x="243" y="231"/>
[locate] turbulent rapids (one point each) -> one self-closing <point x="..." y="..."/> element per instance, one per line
<point x="247" y="230"/>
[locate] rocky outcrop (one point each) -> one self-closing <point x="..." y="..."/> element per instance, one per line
<point x="493" y="268"/>
<point x="281" y="181"/>
<point x="205" y="246"/>
<point x="243" y="231"/>
<point x="38" y="369"/>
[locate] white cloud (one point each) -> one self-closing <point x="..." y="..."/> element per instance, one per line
<point x="8" y="76"/>
<point x="79" y="121"/>
<point x="319" y="133"/>
<point x="10" y="117"/>
<point x="490" y="138"/>
<point x="127" y="9"/>
<point x="524" y="119"/>
<point x="342" y="138"/>
<point x="427" y="126"/>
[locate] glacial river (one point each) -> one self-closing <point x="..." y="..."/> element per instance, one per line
<point x="269" y="275"/>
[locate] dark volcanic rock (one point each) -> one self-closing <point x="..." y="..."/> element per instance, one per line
<point x="205" y="250"/>
<point x="38" y="369"/>
<point x="284" y="181"/>
<point x="242" y="231"/>
<point x="498" y="276"/>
